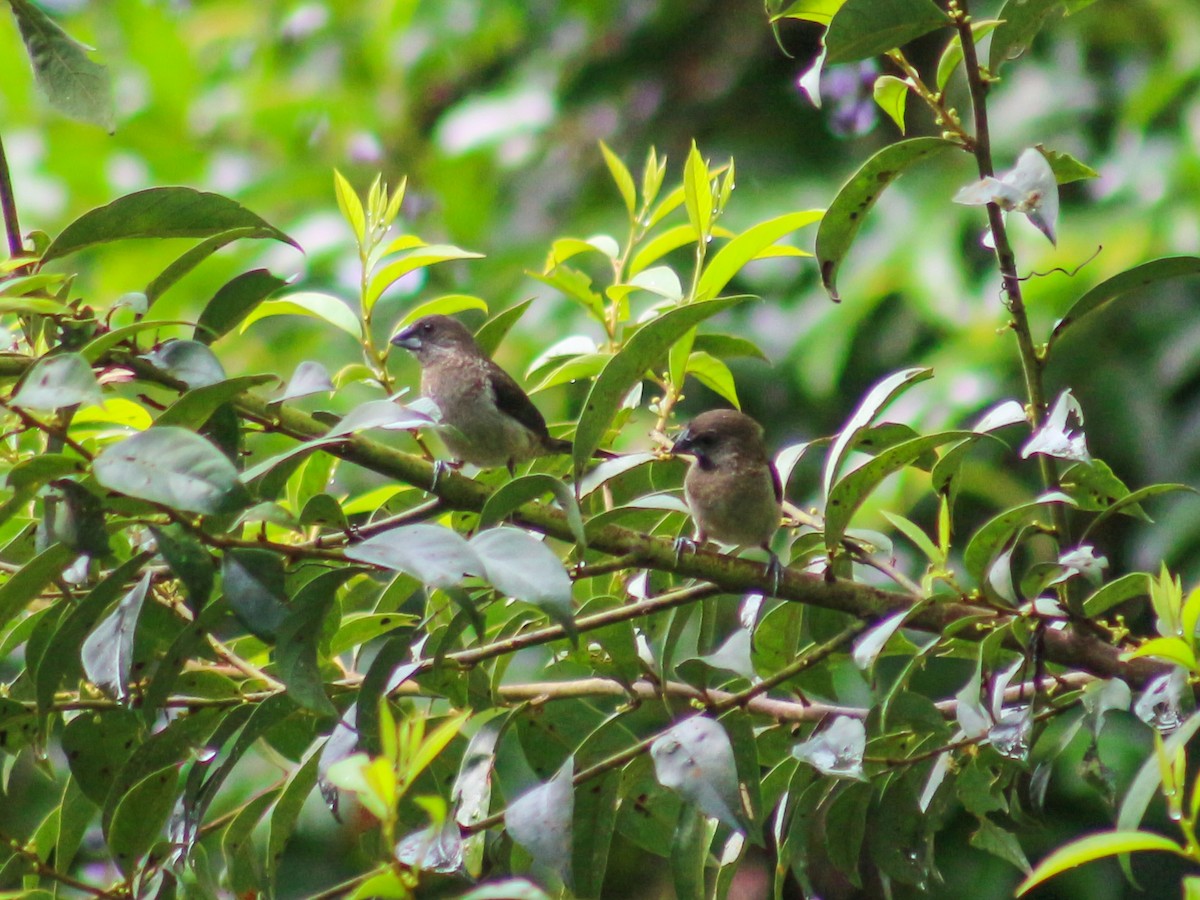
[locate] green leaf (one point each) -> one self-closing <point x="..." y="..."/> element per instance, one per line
<point x="1021" y="20"/>
<point x="1133" y="499"/>
<point x="914" y="533"/>
<point x="990" y="539"/>
<point x="714" y="375"/>
<point x="97" y="745"/>
<point x="74" y="83"/>
<point x="57" y="381"/>
<point x="1093" y="847"/>
<point x="1169" y="649"/>
<point x="1067" y="168"/>
<point x="819" y="11"/>
<point x="313" y="304"/>
<point x="100" y="345"/>
<point x="621" y="176"/>
<point x="1135" y="584"/>
<point x="697" y="192"/>
<point x="448" y="305"/>
<point x="38" y="470"/>
<point x="350" y="206"/>
<point x="494" y="330"/>
<point x="851" y="490"/>
<point x="165" y="212"/>
<point x="172" y="466"/>
<point x="726" y="346"/>
<point x="952" y="56"/>
<point x="999" y="842"/>
<point x="849" y="208"/>
<point x="521" y="490"/>
<point x="418" y="258"/>
<point x="863" y="28"/>
<point x="233" y="302"/>
<point x="641" y="352"/>
<point x="196" y="407"/>
<point x="299" y="635"/>
<point x="192" y="258"/>
<point x="689" y="848"/>
<point x="287" y="809"/>
<point x="23" y="586"/>
<point x="1137" y="277"/>
<point x="139" y="817"/>
<point x="188" y="561"/>
<point x="877" y="399"/>
<point x="660" y="245"/>
<point x="891" y="95"/>
<point x="253" y="584"/>
<point x="730" y="259"/>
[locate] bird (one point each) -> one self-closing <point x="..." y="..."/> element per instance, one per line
<point x="732" y="488"/>
<point x="486" y="418"/>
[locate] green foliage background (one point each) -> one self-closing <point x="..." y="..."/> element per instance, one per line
<point x="493" y="112"/>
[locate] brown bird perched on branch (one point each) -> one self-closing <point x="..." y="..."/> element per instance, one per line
<point x="732" y="487"/>
<point x="486" y="418"/>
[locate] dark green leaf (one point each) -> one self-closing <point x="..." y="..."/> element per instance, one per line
<point x="850" y="207"/>
<point x="863" y="28"/>
<point x="988" y="541"/>
<point x="140" y="816"/>
<point x="689" y="848"/>
<point x="529" y="487"/>
<point x="299" y="635"/>
<point x="189" y="562"/>
<point x="995" y="840"/>
<point x="493" y="331"/>
<point x="97" y="745"/>
<point x="1135" y="584"/>
<point x="192" y="258"/>
<point x="25" y="584"/>
<point x="286" y="813"/>
<point x="1021" y="20"/>
<point x="74" y="83"/>
<point x="233" y="302"/>
<point x="253" y="585"/>
<point x="1107" y="291"/>
<point x="725" y="346"/>
<point x="18" y="726"/>
<point x="881" y="394"/>
<point x="197" y="406"/>
<point x="57" y="381"/>
<point x="172" y="466"/>
<point x="164" y="212"/>
<point x="851" y="490"/>
<point x="35" y="471"/>
<point x="646" y="348"/>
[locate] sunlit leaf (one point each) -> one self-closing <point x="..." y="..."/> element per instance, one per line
<point x="862" y="28"/>
<point x="1093" y="847"/>
<point x="891" y="95"/>
<point x="315" y="305"/>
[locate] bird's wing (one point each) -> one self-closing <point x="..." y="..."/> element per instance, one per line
<point x="511" y="399"/>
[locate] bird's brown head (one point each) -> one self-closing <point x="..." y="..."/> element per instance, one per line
<point x="431" y="336"/>
<point x="721" y="436"/>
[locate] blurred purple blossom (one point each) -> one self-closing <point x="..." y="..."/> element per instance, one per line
<point x="847" y="91"/>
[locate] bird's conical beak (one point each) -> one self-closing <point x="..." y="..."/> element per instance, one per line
<point x="407" y="339"/>
<point x="683" y="443"/>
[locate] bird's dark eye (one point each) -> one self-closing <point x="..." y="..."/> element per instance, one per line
<point x="426" y="327"/>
